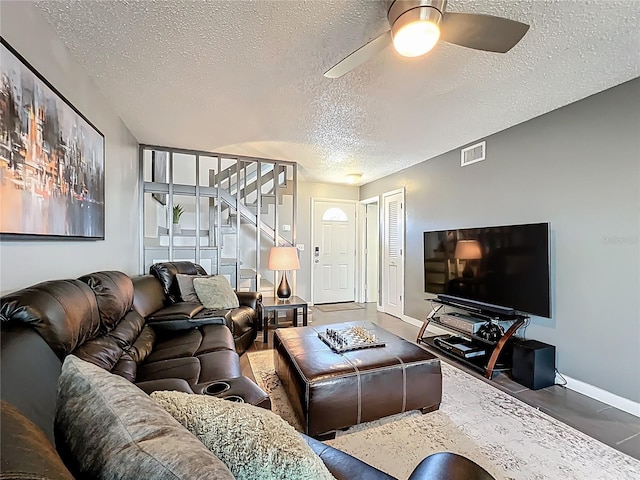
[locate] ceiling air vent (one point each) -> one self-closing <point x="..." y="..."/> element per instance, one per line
<point x="474" y="153"/>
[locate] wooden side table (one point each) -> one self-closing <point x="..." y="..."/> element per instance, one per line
<point x="272" y="304"/>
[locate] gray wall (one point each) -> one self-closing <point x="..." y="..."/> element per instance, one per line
<point x="579" y="168"/>
<point x="24" y="263"/>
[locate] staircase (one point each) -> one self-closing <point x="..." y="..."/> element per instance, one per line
<point x="240" y="209"/>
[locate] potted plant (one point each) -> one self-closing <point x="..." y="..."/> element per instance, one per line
<point x="177" y="213"/>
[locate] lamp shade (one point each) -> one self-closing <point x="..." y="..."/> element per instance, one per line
<point x="283" y="258"/>
<point x="468" y="250"/>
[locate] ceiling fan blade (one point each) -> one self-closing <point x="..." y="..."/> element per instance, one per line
<point x="360" y="56"/>
<point x="482" y="32"/>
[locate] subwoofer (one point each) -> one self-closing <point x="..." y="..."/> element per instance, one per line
<point x="534" y="364"/>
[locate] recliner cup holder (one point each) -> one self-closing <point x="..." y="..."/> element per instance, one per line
<point x="234" y="398"/>
<point x="216" y="388"/>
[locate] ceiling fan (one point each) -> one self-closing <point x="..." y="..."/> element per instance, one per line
<point x="417" y="25"/>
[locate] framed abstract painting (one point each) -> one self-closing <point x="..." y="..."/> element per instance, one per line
<point x="52" y="164"/>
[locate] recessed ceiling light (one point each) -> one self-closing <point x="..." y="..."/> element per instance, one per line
<point x="354" y="178"/>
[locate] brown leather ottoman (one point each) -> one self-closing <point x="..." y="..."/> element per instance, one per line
<point x="331" y="391"/>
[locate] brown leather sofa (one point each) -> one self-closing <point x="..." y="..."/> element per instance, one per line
<point x="100" y="318"/>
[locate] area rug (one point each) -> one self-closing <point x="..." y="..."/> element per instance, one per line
<point x="338" y="307"/>
<point x="509" y="438"/>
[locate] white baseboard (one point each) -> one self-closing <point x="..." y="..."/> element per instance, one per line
<point x="411" y="320"/>
<point x="579" y="386"/>
<point x="601" y="395"/>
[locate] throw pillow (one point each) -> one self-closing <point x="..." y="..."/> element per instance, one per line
<point x="254" y="443"/>
<point x="112" y="430"/>
<point x="185" y="285"/>
<point x="216" y="293"/>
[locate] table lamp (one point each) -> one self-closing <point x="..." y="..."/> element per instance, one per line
<point x="467" y="250"/>
<point x="284" y="258"/>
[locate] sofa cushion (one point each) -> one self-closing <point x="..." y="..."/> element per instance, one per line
<point x="215" y="292"/>
<point x="127" y="366"/>
<point x="217" y="365"/>
<point x="175" y="345"/>
<point x="25" y="451"/>
<point x="114" y="295"/>
<point x="185" y="285"/>
<point x="202" y="368"/>
<point x="188" y="343"/>
<point x="102" y="351"/>
<point x="256" y="444"/>
<point x="128" y="329"/>
<point x="143" y="345"/>
<point x="129" y="343"/>
<point x="187" y="368"/>
<point x="148" y="295"/>
<point x="166" y="272"/>
<point x="111" y="429"/>
<point x="214" y="338"/>
<point x="63" y="312"/>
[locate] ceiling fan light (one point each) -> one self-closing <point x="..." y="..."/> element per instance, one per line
<point x="416" y="31"/>
<point x="416" y="38"/>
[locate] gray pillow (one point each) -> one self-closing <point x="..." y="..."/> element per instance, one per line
<point x="185" y="285"/>
<point x="256" y="444"/>
<point x="215" y="292"/>
<point x="113" y="430"/>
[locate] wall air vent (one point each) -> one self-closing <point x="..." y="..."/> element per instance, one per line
<point x="474" y="153"/>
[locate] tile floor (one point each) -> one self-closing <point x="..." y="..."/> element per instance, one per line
<point x="603" y="422"/>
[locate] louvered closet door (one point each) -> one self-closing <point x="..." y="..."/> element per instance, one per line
<point x="393" y="259"/>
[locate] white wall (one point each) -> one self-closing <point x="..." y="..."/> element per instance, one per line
<point x="25" y="263"/>
<point x="307" y="191"/>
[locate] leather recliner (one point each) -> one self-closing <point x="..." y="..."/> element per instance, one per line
<point x="243" y="321"/>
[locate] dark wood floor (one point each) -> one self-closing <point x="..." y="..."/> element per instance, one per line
<point x="603" y="422"/>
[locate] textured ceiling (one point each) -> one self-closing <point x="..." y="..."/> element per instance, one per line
<point x="245" y="77"/>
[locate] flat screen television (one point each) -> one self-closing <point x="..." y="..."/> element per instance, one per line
<point x="506" y="267"/>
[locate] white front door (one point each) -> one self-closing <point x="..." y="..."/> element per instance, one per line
<point x="333" y="254"/>
<point x="393" y="253"/>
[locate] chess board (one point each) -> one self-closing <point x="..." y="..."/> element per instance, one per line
<point x="348" y="339"/>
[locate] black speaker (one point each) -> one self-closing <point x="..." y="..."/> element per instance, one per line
<point x="534" y="364"/>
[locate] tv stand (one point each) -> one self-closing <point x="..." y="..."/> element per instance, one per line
<point x="486" y="364"/>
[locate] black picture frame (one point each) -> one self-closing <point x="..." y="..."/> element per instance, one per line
<point x="159" y="173"/>
<point x="52" y="159"/>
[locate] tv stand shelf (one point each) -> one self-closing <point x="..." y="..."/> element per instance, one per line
<point x="477" y="363"/>
<point x="486" y="364"/>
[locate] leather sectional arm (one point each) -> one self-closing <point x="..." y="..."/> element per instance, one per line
<point x="449" y="466"/>
<point x="250" y="299"/>
<point x="437" y="466"/>
<point x="342" y="465"/>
